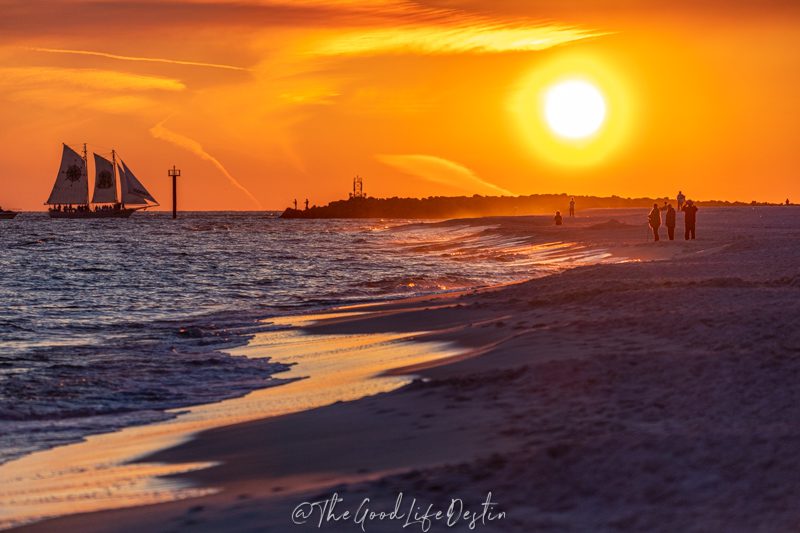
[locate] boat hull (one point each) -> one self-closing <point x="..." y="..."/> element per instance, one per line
<point x="6" y="215"/>
<point x="112" y="213"/>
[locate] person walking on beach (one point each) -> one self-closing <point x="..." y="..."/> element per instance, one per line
<point x="654" y="219"/>
<point x="669" y="221"/>
<point x="681" y="199"/>
<point x="572" y="207"/>
<point x="689" y="219"/>
<point x="558" y="218"/>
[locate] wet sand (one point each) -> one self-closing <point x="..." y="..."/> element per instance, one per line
<point x="656" y="394"/>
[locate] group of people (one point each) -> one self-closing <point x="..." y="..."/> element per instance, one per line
<point x="115" y="207"/>
<point x="70" y="208"/>
<point x="670" y="215"/>
<point x="654" y="219"/>
<point x="85" y="208"/>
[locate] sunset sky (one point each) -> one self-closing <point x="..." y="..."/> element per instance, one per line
<point x="263" y="101"/>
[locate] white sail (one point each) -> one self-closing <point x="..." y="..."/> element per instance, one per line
<point x="72" y="184"/>
<point x="133" y="192"/>
<point x="105" y="183"/>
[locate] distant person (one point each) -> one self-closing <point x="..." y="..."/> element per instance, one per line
<point x="654" y="220"/>
<point x="681" y="200"/>
<point x="558" y="218"/>
<point x="669" y="221"/>
<point x="306" y="204"/>
<point x="690" y="219"/>
<point x="787" y="201"/>
<point x="295" y="204"/>
<point x="572" y="207"/>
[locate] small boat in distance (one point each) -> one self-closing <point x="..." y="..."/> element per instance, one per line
<point x="70" y="195"/>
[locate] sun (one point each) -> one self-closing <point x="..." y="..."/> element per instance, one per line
<point x="574" y="109"/>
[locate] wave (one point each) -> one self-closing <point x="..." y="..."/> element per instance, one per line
<point x="105" y="328"/>
<point x="416" y="284"/>
<point x="54" y="395"/>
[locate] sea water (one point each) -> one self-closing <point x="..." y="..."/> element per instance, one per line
<point x="108" y="323"/>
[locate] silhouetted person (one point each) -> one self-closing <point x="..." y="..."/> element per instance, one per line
<point x="558" y="218"/>
<point x="690" y="219"/>
<point x="669" y="221"/>
<point x="681" y="200"/>
<point x="654" y="219"/>
<point x="787" y="201"/>
<point x="572" y="207"/>
<point x="295" y="204"/>
<point x="306" y="204"/>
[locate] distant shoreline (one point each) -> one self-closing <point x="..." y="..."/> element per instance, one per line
<point x="447" y="207"/>
<point x="505" y="206"/>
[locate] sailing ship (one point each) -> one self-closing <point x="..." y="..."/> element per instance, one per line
<point x="117" y="191"/>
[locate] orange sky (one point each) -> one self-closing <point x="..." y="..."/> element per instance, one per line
<point x="263" y="101"/>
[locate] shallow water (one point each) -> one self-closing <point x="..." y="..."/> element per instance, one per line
<point x="109" y="323"/>
<point x="110" y="470"/>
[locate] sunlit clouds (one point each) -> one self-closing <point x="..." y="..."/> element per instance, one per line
<point x="130" y="58"/>
<point x="289" y="90"/>
<point x="159" y="131"/>
<point x="21" y="78"/>
<point x="106" y="91"/>
<point x="444" y="172"/>
<point x="476" y="38"/>
<point x="294" y="97"/>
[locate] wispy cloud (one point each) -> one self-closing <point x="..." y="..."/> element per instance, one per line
<point x="159" y="131"/>
<point x="134" y="58"/>
<point x="434" y="39"/>
<point x="55" y="77"/>
<point x="356" y="27"/>
<point x="107" y="91"/>
<point x="405" y="26"/>
<point x="441" y="171"/>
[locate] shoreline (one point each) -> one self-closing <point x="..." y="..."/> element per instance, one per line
<point x="261" y="475"/>
<point x="177" y="429"/>
<point x="188" y="339"/>
<point x="118" y="459"/>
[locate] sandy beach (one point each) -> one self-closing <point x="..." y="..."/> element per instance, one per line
<point x="653" y="388"/>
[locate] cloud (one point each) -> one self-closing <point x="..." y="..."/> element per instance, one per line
<point x="159" y="131"/>
<point x="473" y="38"/>
<point x="107" y="91"/>
<point x="405" y="26"/>
<point x="354" y="27"/>
<point x="134" y="58"/>
<point x="442" y="171"/>
<point x="105" y="80"/>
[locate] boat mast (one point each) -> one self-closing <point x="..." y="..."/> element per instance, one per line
<point x="114" y="170"/>
<point x="86" y="169"/>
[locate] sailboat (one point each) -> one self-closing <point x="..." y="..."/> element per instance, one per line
<point x="70" y="195"/>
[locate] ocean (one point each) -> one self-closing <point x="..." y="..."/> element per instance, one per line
<point x="109" y="323"/>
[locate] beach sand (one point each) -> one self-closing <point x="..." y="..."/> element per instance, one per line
<point x="655" y="394"/>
